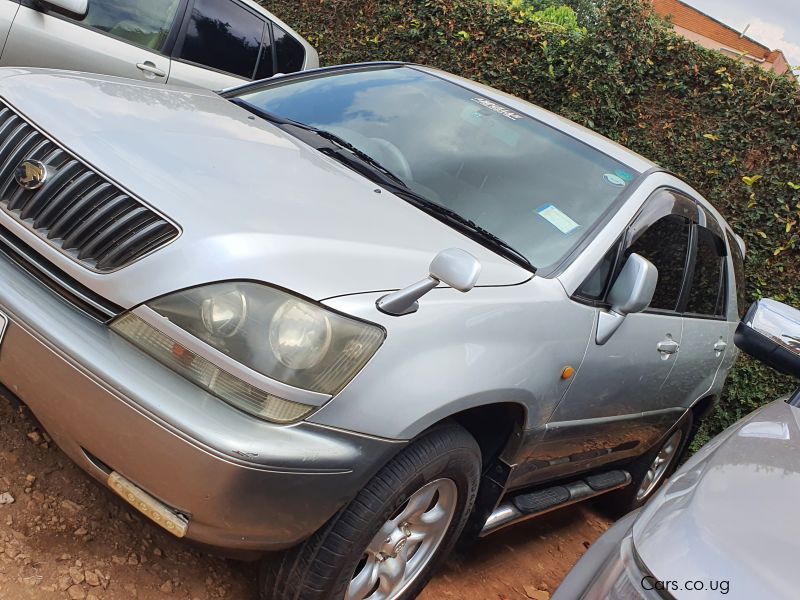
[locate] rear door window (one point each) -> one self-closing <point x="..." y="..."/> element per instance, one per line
<point x="225" y="36"/>
<point x="707" y="293"/>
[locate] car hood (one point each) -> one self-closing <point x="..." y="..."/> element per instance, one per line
<point x="731" y="512"/>
<point x="252" y="201"/>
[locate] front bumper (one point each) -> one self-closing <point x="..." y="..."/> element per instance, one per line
<point x="244" y="484"/>
<point x="585" y="580"/>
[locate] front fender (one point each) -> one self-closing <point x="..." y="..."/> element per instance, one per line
<point x="459" y="351"/>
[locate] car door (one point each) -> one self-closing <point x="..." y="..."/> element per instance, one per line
<point x="617" y="400"/>
<point x="8" y="11"/>
<point x="115" y="37"/>
<point x="223" y="43"/>
<point x="704" y="305"/>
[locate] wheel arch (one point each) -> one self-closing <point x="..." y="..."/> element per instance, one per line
<point x="497" y="428"/>
<point x="703" y="407"/>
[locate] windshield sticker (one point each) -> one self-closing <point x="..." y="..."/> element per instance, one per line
<point x="499" y="109"/>
<point x="628" y="177"/>
<point x="615" y="180"/>
<point x="557" y="219"/>
<point x="498" y="129"/>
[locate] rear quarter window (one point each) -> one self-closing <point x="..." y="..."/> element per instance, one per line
<point x="291" y="54"/>
<point x="739" y="274"/>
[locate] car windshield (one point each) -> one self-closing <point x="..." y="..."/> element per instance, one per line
<point x="534" y="187"/>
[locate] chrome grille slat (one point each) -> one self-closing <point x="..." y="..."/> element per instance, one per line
<point x="9" y="122"/>
<point x="14" y="137"/>
<point x="83" y="232"/>
<point x="143" y="241"/>
<point x="82" y="206"/>
<point x="76" y="210"/>
<point x="24" y="149"/>
<point x="121" y="226"/>
<point x="62" y="201"/>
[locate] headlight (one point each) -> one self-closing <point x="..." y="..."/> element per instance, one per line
<point x="224" y="315"/>
<point x="272" y="332"/>
<point x="300" y="335"/>
<point x="624" y="576"/>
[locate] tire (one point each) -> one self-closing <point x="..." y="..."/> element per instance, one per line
<point x="644" y="482"/>
<point x="436" y="475"/>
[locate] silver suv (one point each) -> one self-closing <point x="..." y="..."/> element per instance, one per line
<point x="351" y="314"/>
<point x="206" y="43"/>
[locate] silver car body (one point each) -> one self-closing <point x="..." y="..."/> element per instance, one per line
<point x="723" y="524"/>
<point x="33" y="36"/>
<point x="201" y="160"/>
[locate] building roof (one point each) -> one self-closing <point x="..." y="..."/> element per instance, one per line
<point x="681" y="14"/>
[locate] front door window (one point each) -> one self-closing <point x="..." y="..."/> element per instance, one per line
<point x="665" y="244"/>
<point x="143" y="22"/>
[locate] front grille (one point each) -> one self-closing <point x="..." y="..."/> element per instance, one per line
<point x="67" y="288"/>
<point x="76" y="210"/>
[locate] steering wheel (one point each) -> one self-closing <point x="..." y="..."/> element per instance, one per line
<point x="393" y="159"/>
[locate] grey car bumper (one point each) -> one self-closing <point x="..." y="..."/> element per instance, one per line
<point x="584" y="575"/>
<point x="244" y="484"/>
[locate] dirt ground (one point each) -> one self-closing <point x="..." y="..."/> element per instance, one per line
<point x="64" y="536"/>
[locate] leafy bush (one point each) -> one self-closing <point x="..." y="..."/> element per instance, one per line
<point x="559" y="16"/>
<point x="729" y="128"/>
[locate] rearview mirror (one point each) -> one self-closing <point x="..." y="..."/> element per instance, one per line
<point x="770" y="333"/>
<point x="76" y="7"/>
<point x="631" y="293"/>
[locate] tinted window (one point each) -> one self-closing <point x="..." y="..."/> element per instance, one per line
<point x="143" y="22"/>
<point x="224" y="36"/>
<point x="266" y="67"/>
<point x="738" y="273"/>
<point x="595" y="285"/>
<point x="535" y="187"/>
<point x="706" y="294"/>
<point x="291" y="54"/>
<point x="665" y="244"/>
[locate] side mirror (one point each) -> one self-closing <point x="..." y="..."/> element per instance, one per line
<point x="75" y="7"/>
<point x="454" y="267"/>
<point x="457" y="268"/>
<point x="770" y="332"/>
<point x="631" y="293"/>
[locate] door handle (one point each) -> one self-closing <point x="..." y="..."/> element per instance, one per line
<point x="149" y="68"/>
<point x="720" y="346"/>
<point x="667" y="347"/>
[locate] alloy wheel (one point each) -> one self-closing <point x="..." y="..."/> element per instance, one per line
<point x="405" y="544"/>
<point x="659" y="466"/>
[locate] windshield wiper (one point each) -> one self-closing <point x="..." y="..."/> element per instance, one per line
<point x="374" y="170"/>
<point x="383" y="174"/>
<point x="464" y="224"/>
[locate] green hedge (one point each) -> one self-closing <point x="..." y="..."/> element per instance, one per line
<point x="730" y="129"/>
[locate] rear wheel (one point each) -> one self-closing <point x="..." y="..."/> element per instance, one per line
<point x="650" y="470"/>
<point x="386" y="543"/>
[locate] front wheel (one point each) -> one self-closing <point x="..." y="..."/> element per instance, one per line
<point x="387" y="542"/>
